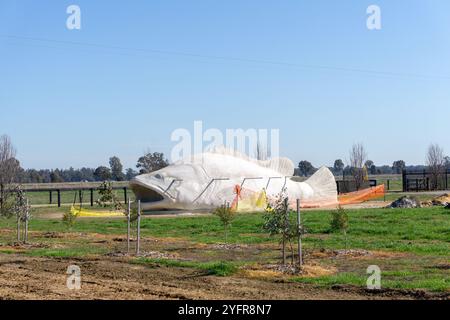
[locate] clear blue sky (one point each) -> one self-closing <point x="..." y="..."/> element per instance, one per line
<point x="137" y="70"/>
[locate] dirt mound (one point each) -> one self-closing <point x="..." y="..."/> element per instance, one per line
<point x="271" y="270"/>
<point x="223" y="246"/>
<point x="442" y="200"/>
<point x="147" y="254"/>
<point x="406" y="202"/>
<point x="392" y="293"/>
<point x="441" y="267"/>
<point x="352" y="253"/>
<point x="158" y="255"/>
<point x="51" y="235"/>
<point x="29" y="245"/>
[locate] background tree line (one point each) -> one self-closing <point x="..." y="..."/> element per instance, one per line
<point x="435" y="160"/>
<point x="12" y="172"/>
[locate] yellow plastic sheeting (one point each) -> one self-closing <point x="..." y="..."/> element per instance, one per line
<point x="91" y="213"/>
<point x="246" y="201"/>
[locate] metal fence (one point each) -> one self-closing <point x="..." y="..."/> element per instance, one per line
<point x="425" y="180"/>
<point x="54" y="192"/>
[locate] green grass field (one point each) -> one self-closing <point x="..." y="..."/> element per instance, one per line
<point x="394" y="184"/>
<point x="391" y="229"/>
<point x="418" y="238"/>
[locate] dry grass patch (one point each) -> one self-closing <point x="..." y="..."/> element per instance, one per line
<point x="274" y="271"/>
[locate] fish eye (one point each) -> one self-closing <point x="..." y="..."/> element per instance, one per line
<point x="158" y="176"/>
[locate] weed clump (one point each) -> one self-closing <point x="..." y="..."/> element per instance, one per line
<point x="69" y="218"/>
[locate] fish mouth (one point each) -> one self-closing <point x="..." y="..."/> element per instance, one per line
<point x="152" y="197"/>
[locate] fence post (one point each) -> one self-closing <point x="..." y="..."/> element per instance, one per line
<point x="59" y="198"/>
<point x="125" y="195"/>
<point x="138" y="237"/>
<point x="404" y="182"/>
<point x="425" y="181"/>
<point x="299" y="226"/>
<point x="92" y="197"/>
<point x="128" y="225"/>
<point x="446" y="179"/>
<point x="80" y="196"/>
<point x="51" y="196"/>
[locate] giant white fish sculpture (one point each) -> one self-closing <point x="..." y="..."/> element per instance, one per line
<point x="208" y="180"/>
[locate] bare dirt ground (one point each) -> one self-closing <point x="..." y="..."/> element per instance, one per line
<point x="111" y="275"/>
<point x="114" y="278"/>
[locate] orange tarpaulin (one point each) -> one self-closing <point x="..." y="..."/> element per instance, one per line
<point x="362" y="195"/>
<point x="246" y="200"/>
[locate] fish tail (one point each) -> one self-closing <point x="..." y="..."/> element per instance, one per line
<point x="324" y="185"/>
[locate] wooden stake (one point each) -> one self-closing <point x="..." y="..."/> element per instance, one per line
<point x="26" y="224"/>
<point x="284" y="231"/>
<point x="138" y="228"/>
<point x="299" y="226"/>
<point x="18" y="228"/>
<point x="128" y="225"/>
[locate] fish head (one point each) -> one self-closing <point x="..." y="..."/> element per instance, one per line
<point x="173" y="187"/>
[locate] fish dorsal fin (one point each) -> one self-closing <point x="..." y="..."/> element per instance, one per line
<point x="283" y="166"/>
